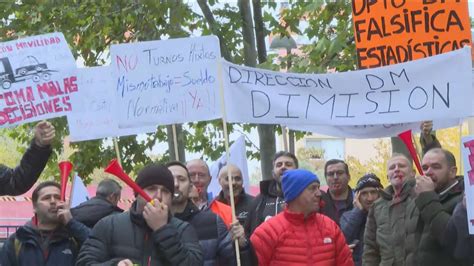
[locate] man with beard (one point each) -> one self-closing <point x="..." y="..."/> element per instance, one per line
<point x="270" y="201"/>
<point x="353" y="221"/>
<point x="300" y="235"/>
<point x="147" y="234"/>
<point x="215" y="241"/>
<point x="339" y="197"/>
<point x="438" y="192"/>
<point x="242" y="200"/>
<point x="384" y="237"/>
<point x="52" y="237"/>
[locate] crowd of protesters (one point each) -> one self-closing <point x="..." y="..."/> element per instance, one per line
<point x="416" y="220"/>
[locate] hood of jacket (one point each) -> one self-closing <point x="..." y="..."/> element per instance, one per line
<point x="271" y="188"/>
<point x="188" y="213"/>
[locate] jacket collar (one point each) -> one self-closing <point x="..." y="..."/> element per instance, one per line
<point x="270" y="188"/>
<point x="189" y="211"/>
<point x="297" y="218"/>
<point x="407" y="190"/>
<point x="239" y="197"/>
<point x="30" y="232"/>
<point x="349" y="199"/>
<point x="456" y="188"/>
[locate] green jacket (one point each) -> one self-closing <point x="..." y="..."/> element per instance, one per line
<point x="428" y="216"/>
<point x="384" y="237"/>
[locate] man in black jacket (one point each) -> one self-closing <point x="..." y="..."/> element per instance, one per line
<point x="103" y="204"/>
<point x="147" y="234"/>
<point x="242" y="200"/>
<point x="213" y="236"/>
<point x="52" y="237"/>
<point x="19" y="180"/>
<point x="457" y="239"/>
<point x="270" y="201"/>
<point x="339" y="197"/>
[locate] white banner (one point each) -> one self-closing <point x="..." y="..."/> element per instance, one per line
<point x="238" y="157"/>
<point x="95" y="108"/>
<point x="371" y="131"/>
<point x="434" y="88"/>
<point x="37" y="77"/>
<point x="166" y="82"/>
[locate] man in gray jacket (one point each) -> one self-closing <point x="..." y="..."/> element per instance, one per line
<point x="147" y="234"/>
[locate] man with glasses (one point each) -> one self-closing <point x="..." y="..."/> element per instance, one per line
<point x="353" y="222"/>
<point x="242" y="200"/>
<point x="339" y="196"/>
<point x="201" y="178"/>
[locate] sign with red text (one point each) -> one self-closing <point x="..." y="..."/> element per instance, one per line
<point x="467" y="147"/>
<point x="166" y="82"/>
<point x="390" y="32"/>
<point x="37" y="77"/>
<point x="434" y="88"/>
<point x="95" y="108"/>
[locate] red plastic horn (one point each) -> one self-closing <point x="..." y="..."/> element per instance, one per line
<point x="65" y="168"/>
<point x="406" y="138"/>
<point x="115" y="169"/>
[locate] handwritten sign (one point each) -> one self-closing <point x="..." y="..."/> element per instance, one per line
<point x="371" y="131"/>
<point x="391" y="32"/>
<point x="434" y="88"/>
<point x="37" y="77"/>
<point x="467" y="148"/>
<point x="94" y="114"/>
<point x="166" y="82"/>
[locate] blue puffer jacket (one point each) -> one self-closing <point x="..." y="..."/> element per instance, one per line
<point x="353" y="227"/>
<point x="213" y="235"/>
<point x="25" y="246"/>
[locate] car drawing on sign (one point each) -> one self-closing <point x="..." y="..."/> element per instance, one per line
<point x="30" y="68"/>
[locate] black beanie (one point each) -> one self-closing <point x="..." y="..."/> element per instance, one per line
<point x="368" y="180"/>
<point x="154" y="174"/>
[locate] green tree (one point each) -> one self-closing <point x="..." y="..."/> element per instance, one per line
<point x="90" y="27"/>
<point x="376" y="165"/>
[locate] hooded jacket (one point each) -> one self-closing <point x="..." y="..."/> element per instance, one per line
<point x="384" y="237"/>
<point x="28" y="245"/>
<point x="353" y="227"/>
<point x="267" y="204"/>
<point x="19" y="180"/>
<point x="212" y="233"/>
<point x="427" y="219"/>
<point x="127" y="236"/>
<point x="91" y="211"/>
<point x="293" y="239"/>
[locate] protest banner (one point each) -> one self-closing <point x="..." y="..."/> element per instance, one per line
<point x="37" y="77"/>
<point x="371" y="131"/>
<point x="390" y="32"/>
<point x="94" y="114"/>
<point x="166" y="82"/>
<point x="467" y="148"/>
<point x="238" y="157"/>
<point x="434" y="88"/>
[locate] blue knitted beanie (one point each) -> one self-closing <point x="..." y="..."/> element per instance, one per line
<point x="295" y="181"/>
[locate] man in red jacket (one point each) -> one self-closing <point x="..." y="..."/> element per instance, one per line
<point x="299" y="235"/>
